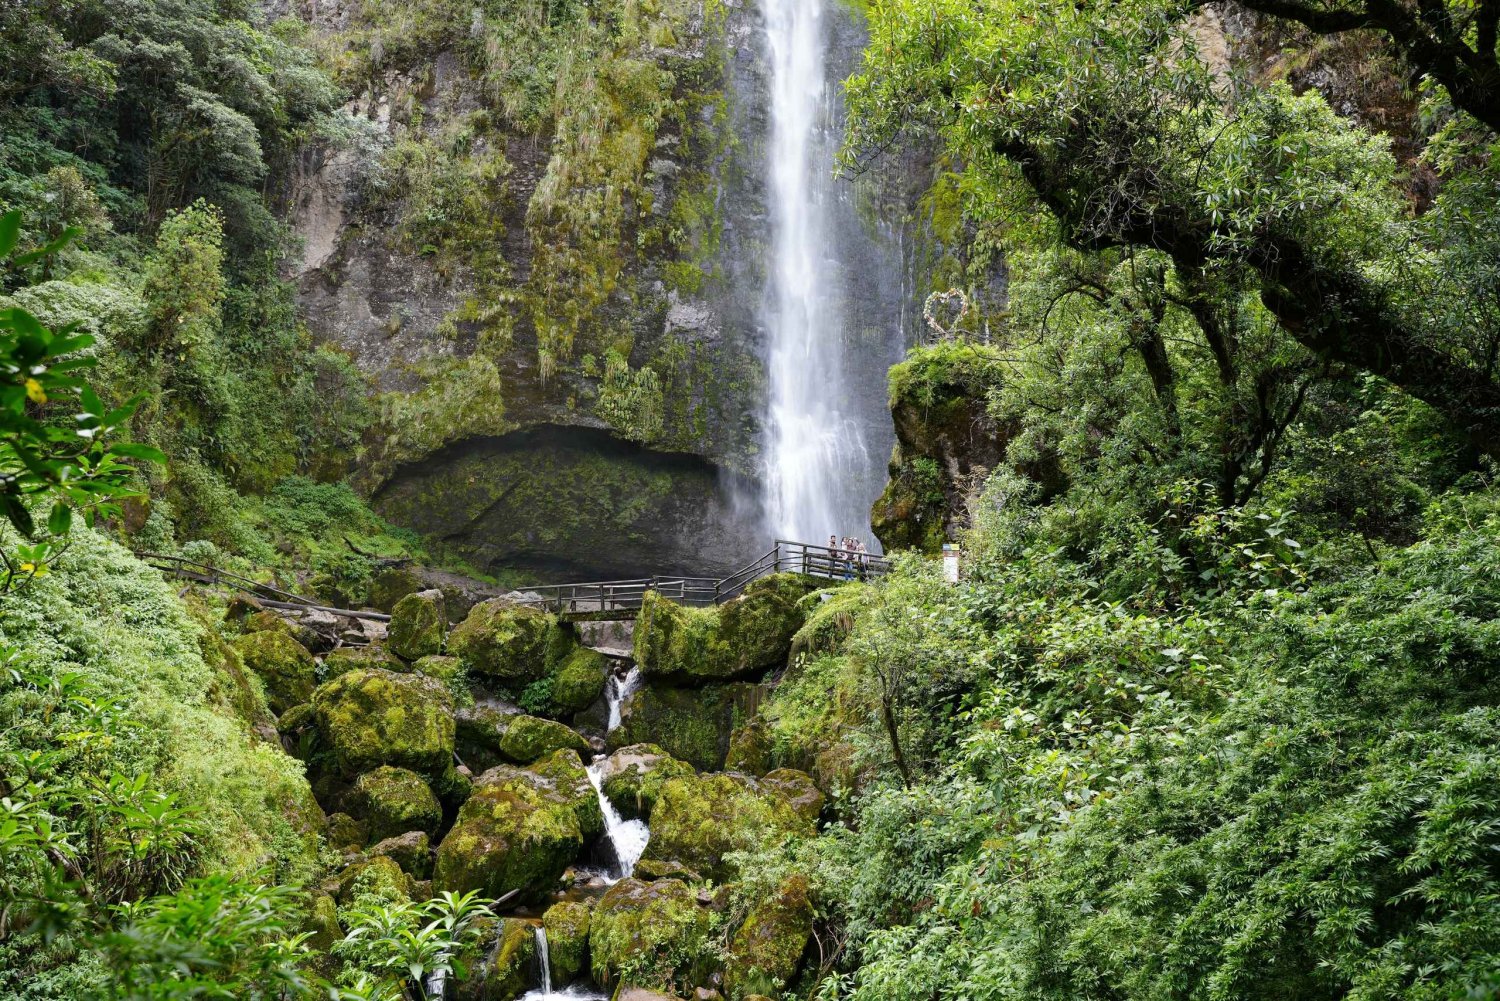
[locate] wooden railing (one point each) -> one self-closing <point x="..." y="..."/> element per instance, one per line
<point x="613" y="598"/>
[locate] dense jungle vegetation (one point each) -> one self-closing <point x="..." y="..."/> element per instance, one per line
<point x="1213" y="714"/>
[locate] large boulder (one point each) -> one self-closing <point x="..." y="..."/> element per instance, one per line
<point x="514" y="644"/>
<point x="391" y="585"/>
<point x="418" y="623"/>
<point x="394" y="801"/>
<point x="658" y="931"/>
<point x="579" y="680"/>
<point x="766" y="950"/>
<point x="693" y="724"/>
<point x="749" y="749"/>
<point x="283" y="665"/>
<point x="528" y="738"/>
<point x="567" y="925"/>
<point x="479" y="729"/>
<point x="412" y="851"/>
<point x="520" y="828"/>
<point x="632" y="777"/>
<point x="379" y="876"/>
<point x="353" y="658"/>
<point x="746" y="635"/>
<point x="798" y="789"/>
<point x="508" y="970"/>
<point x="373" y="717"/>
<point x="698" y="820"/>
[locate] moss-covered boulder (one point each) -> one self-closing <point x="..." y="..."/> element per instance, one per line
<point x="632" y="777"/>
<point x="659" y="931"/>
<point x="567" y="925"/>
<point x="391" y="585"/>
<point x="322" y="922"/>
<point x="393" y="801"/>
<point x="766" y="950"/>
<point x="514" y="644"/>
<point x="346" y="833"/>
<point x="372" y="717"/>
<point x="747" y="635"/>
<point x="692" y="724"/>
<point x="579" y="680"/>
<point x="749" y="749"/>
<point x="412" y="851"/>
<point x="630" y="992"/>
<point x="478" y="730"/>
<point x="527" y="738"/>
<point x="510" y="968"/>
<point x="698" y="820"/>
<point x="284" y="666"/>
<point x="520" y="828"/>
<point x="798" y="790"/>
<point x="418" y="624"/>
<point x="353" y="658"/>
<point x="440" y="666"/>
<point x="378" y="876"/>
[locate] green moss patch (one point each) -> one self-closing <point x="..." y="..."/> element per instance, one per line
<point x="749" y="634"/>
<point x="394" y="801"/>
<point x="696" y="821"/>
<point x="283" y="665"/>
<point x="653" y="935"/>
<point x="371" y="717"/>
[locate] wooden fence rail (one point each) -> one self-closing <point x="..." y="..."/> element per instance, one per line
<point x="617" y="598"/>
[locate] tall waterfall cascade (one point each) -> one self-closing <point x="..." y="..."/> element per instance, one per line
<point x="819" y="462"/>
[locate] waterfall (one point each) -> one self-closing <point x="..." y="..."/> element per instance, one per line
<point x="543" y="960"/>
<point x="820" y="470"/>
<point x="617" y="690"/>
<point x="627" y="838"/>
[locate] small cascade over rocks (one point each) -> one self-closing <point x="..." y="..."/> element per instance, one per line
<point x="627" y="838"/>
<point x="618" y="689"/>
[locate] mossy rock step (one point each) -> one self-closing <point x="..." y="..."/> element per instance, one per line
<point x="515" y="644"/>
<point x="394" y="801"/>
<point x="766" y="950"/>
<point x="520" y="828"/>
<point x="372" y="717"/>
<point x="632" y="777"/>
<point x="525" y="739"/>
<point x="510" y="968"/>
<point x="567" y="926"/>
<point x="418" y="624"/>
<point x="658" y="931"/>
<point x="352" y="658"/>
<point x="698" y="820"/>
<point x="285" y="667"/>
<point x="747" y="635"/>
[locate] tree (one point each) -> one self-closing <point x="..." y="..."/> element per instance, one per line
<point x="65" y="466"/>
<point x="1100" y="111"/>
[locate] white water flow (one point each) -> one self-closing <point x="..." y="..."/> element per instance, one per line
<point x="627" y="838"/>
<point x="617" y="690"/>
<point x="818" y="459"/>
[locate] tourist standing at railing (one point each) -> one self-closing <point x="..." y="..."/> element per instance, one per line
<point x="833" y="554"/>
<point x="863" y="556"/>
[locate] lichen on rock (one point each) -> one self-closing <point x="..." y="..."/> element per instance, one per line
<point x="512" y="643"/>
<point x="524" y="739"/>
<point x="567" y="926"/>
<point x="370" y="717"/>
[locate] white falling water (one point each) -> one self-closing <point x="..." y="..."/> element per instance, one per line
<point x="818" y="459"/>
<point x="628" y="838"/>
<point x="617" y="690"/>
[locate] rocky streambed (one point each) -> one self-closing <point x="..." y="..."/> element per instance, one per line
<point x="603" y="798"/>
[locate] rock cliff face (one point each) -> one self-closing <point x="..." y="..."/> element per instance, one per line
<point x="537" y="219"/>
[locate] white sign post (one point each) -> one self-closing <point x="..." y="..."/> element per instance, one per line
<point x="950" y="562"/>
